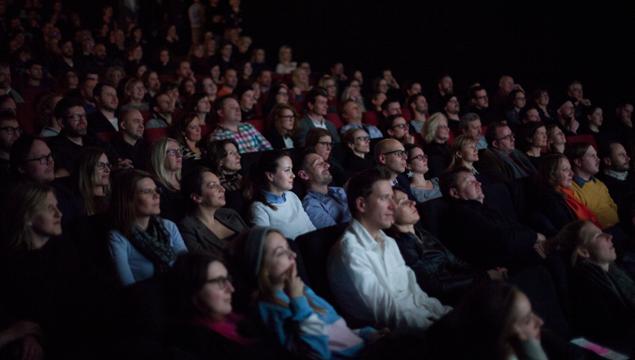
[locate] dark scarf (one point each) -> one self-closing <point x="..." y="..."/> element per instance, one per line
<point x="615" y="281"/>
<point x="231" y="182"/>
<point x="154" y="244"/>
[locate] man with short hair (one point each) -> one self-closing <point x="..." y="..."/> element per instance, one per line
<point x="615" y="174"/>
<point x="592" y="192"/>
<point x="162" y="110"/>
<point x="622" y="129"/>
<point x="229" y="126"/>
<point x="10" y="131"/>
<point x="471" y="126"/>
<point x="230" y="82"/>
<point x="367" y="274"/>
<point x="418" y="105"/>
<point x="479" y="104"/>
<point x="107" y="101"/>
<point x="317" y="107"/>
<point x="35" y="84"/>
<point x="501" y="160"/>
<point x="567" y="119"/>
<point x="483" y="236"/>
<point x="5" y="84"/>
<point x="326" y="205"/>
<point x="129" y="145"/>
<point x="352" y="115"/>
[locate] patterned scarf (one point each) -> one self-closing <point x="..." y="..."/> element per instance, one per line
<point x="154" y="244"/>
<point x="231" y="182"/>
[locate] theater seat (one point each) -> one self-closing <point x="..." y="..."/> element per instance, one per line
<point x="432" y="213"/>
<point x="153" y="135"/>
<point x="577" y="139"/>
<point x="371" y="118"/>
<point x="106" y="136"/>
<point x="259" y="124"/>
<point x="335" y="119"/>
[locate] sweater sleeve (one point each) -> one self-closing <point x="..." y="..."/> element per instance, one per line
<point x="259" y="216"/>
<point x="298" y="328"/>
<point x="119" y="246"/>
<point x="175" y="237"/>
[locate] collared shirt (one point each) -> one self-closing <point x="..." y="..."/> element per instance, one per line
<point x="373" y="284"/>
<point x="247" y="137"/>
<point x="619" y="175"/>
<point x="373" y="131"/>
<point x="275" y="199"/>
<point x="595" y="195"/>
<point x="327" y="209"/>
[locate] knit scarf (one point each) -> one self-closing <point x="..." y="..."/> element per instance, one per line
<point x="227" y="328"/>
<point x="154" y="244"/>
<point x="581" y="211"/>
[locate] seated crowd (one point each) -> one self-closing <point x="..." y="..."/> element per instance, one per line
<point x="168" y="201"/>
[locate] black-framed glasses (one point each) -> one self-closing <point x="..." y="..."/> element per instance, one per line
<point x="398" y="153"/>
<point x="362" y="138"/>
<point x="325" y="143"/>
<point x="506" y="137"/>
<point x="400" y="126"/>
<point x="174" y="152"/>
<point x="11" y="129"/>
<point x="103" y="166"/>
<point x="221" y="282"/>
<point x="43" y="160"/>
<point x="419" y="157"/>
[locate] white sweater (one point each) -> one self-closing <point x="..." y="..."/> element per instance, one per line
<point x="289" y="217"/>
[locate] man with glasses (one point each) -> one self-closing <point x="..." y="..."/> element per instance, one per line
<point x="501" y="160"/>
<point x="391" y="155"/>
<point x="317" y="108"/>
<point x="9" y="132"/>
<point x="396" y="127"/>
<point x="479" y="104"/>
<point x="326" y="205"/>
<point x="352" y="115"/>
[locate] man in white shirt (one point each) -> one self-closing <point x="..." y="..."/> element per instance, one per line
<point x="367" y="274"/>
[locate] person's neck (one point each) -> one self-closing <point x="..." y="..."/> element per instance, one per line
<point x="594" y="128"/>
<point x="206" y="215"/>
<point x="453" y="116"/>
<point x="420" y="116"/>
<point x="142" y="222"/>
<point x="192" y="145"/>
<point x="34" y="82"/>
<point x="130" y="140"/>
<point x="603" y="266"/>
<point x="356" y="122"/>
<point x="468" y="164"/>
<point x="109" y="114"/>
<point x="76" y="139"/>
<point x="360" y="154"/>
<point x="372" y="229"/>
<point x="315" y="116"/>
<point x="583" y="175"/>
<point x="202" y="116"/>
<point x="230" y="126"/>
<point x="99" y="190"/>
<point x="405" y="228"/>
<point x="38" y="241"/>
<point x="319" y="188"/>
<point x="275" y="191"/>
<point x="173" y="180"/>
<point x="418" y="178"/>
<point x="534" y="151"/>
<point x="559" y="148"/>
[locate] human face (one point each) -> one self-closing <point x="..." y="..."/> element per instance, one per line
<point x="596" y="117"/>
<point x="418" y="161"/>
<point x="405" y="209"/>
<point x="230" y="111"/>
<point x="519" y="100"/>
<point x="626" y="113"/>
<point x="505" y="140"/>
<point x="164" y="104"/>
<point x="108" y="99"/>
<point x="282" y="179"/>
<point x="469" y="153"/>
<point x="173" y="156"/>
<point x="399" y="128"/>
<point x="147" y="200"/>
<point x="539" y="139"/>
<point x="209" y="87"/>
<point x="468" y="188"/>
<point x="9" y="132"/>
<point x="533" y="115"/>
<point x="394" y="108"/>
<point x="317" y="170"/>
<point x="394" y="157"/>
<point x="132" y="124"/>
<point x="361" y="142"/>
<point x="203" y="106"/>
<point x="598" y="245"/>
<point x="567" y="110"/>
<point x="76" y="120"/>
<point x="543" y="99"/>
<point x="378" y="209"/>
<point x="590" y="162"/>
<point x="39" y="165"/>
<point x="564" y="174"/>
<point x="507" y="84"/>
<point x="212" y="192"/>
<point x="154" y="84"/>
<point x="352" y="112"/>
<point x="231" y="78"/>
<point x="443" y="132"/>
<point x="138" y="91"/>
<point x="324" y="147"/>
<point x="382" y="86"/>
<point x="620" y="161"/>
<point x="282" y="96"/>
<point x="415" y="88"/>
<point x="474" y="129"/>
<point x="247" y="100"/>
<point x="286" y="120"/>
<point x="331" y="88"/>
<point x="215" y="297"/>
<point x="193" y="130"/>
<point x="453" y="106"/>
<point x="446" y="84"/>
<point x="576" y="91"/>
<point x="47" y="218"/>
<point x="278" y="259"/>
<point x="525" y="323"/>
<point x="557" y="137"/>
<point x="320" y="106"/>
<point x="481" y="99"/>
<point x="102" y="171"/>
<point x="231" y="162"/>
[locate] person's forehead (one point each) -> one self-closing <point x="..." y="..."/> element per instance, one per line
<point x="382" y="187"/>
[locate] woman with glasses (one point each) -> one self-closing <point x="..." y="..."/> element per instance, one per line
<point x="142" y="244"/>
<point x="208" y="327"/>
<point x="209" y="226"/>
<point x="281" y="126"/>
<point x="319" y="141"/>
<point x="356" y="152"/>
<point x="92" y="177"/>
<point x="420" y="187"/>
<point x="436" y="134"/>
<point x="166" y="161"/>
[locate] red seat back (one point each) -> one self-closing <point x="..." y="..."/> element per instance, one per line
<point x="259" y="124"/>
<point x="152" y="135"/>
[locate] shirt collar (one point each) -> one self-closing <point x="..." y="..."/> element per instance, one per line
<point x="580" y="181"/>
<point x="275" y="199"/>
<point x="619" y="175"/>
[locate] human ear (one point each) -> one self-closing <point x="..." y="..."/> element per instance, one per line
<point x="583" y="252"/>
<point x="360" y="204"/>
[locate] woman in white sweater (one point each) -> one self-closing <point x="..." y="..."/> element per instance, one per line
<point x="275" y="205"/>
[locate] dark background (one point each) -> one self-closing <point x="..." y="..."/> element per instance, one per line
<point x="540" y="45"/>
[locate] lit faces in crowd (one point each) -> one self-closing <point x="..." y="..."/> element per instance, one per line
<point x="399" y="128"/>
<point x="231" y="162"/>
<point x="589" y="163"/>
<point x="596" y="117"/>
<point x="468" y="152"/>
<point x="324" y="147"/>
<point x="285" y="121"/>
<point x="361" y="142"/>
<point x="76" y="121"/>
<point x="317" y="170"/>
<point x="174" y="157"/>
<point x="377" y="210"/>
<point x="215" y="297"/>
<point x="597" y="245"/>
<point x="539" y="138"/>
<point x="39" y="165"/>
<point x="418" y="161"/>
<point x="319" y="106"/>
<point x="282" y="179"/>
<point x="442" y="133"/>
<point x="102" y="171"/>
<point x="474" y="129"/>
<point x="47" y="218"/>
<point x="147" y="199"/>
<point x="394" y="157"/>
<point x="279" y="260"/>
<point x="212" y="192"/>
<point x="132" y="124"/>
<point x="467" y="188"/>
<point x="525" y="323"/>
<point x="505" y="140"/>
<point x="9" y="132"/>
<point x="405" y="209"/>
<point x="193" y="130"/>
<point x="230" y="112"/>
<point x="619" y="159"/>
<point x="564" y="174"/>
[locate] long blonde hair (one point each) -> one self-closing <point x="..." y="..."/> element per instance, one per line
<point x="157" y="162"/>
<point x="429" y="130"/>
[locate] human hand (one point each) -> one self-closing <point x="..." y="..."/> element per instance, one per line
<point x="124" y="164"/>
<point x="539" y="246"/>
<point x="409" y="139"/>
<point x="31" y="349"/>
<point x="294" y="286"/>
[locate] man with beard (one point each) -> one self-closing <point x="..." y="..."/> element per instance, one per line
<point x="326" y="205"/>
<point x="104" y="119"/>
<point x="130" y="146"/>
<point x="615" y="173"/>
<point x="567" y="120"/>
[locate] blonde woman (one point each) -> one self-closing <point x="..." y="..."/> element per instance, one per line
<point x="166" y="161"/>
<point x="436" y="134"/>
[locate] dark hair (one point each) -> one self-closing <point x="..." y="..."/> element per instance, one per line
<point x="361" y="185"/>
<point x="314" y="93"/>
<point x="187" y="278"/>
<point x="192" y="101"/>
<point x="122" y="210"/>
<point x="268" y="163"/>
<point x="313" y="137"/>
<point x="467" y="118"/>
<point x="547" y="175"/>
<point x="526" y="133"/>
<point x="20" y="150"/>
<point x="62" y="107"/>
<point x="474" y="89"/>
<point x="216" y="153"/>
<point x="218" y="104"/>
<point x="576" y="150"/>
<point x="490" y="133"/>
<point x="7" y="115"/>
<point x="100" y="87"/>
<point x="192" y="183"/>
<point x="449" y="179"/>
<point x="386" y="124"/>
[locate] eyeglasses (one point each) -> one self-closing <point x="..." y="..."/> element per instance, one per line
<point x="174" y="152"/>
<point x="400" y="126"/>
<point x="398" y="153"/>
<point x="419" y="157"/>
<point x="506" y="137"/>
<point x="362" y="138"/>
<point x="43" y="160"/>
<point x="103" y="166"/>
<point x="153" y="192"/>
<point x="221" y="282"/>
<point x="214" y="186"/>
<point x="325" y="143"/>
<point x="11" y="129"/>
